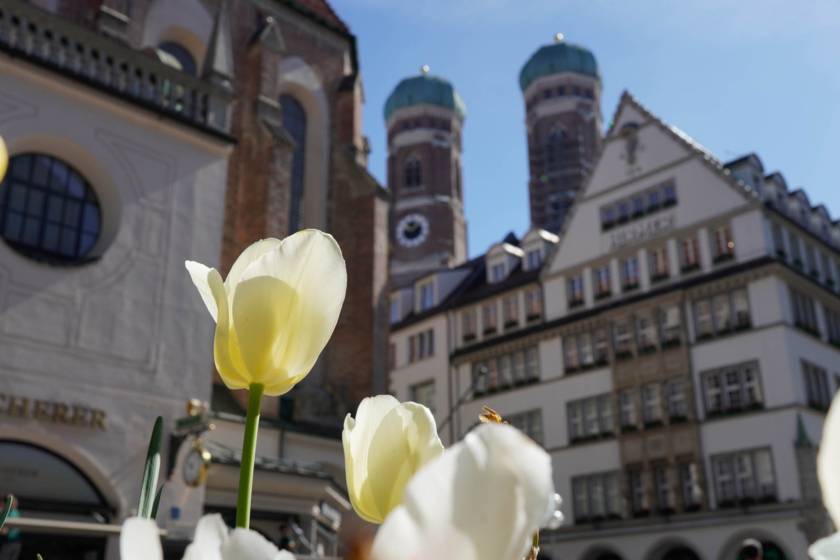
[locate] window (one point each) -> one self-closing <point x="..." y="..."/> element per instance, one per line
<point x="602" y="281"/>
<point x="732" y="389"/>
<point x="811" y="261"/>
<point x="533" y="303"/>
<point x="587" y="358"/>
<point x="424" y="393"/>
<point x="627" y="410"/>
<point x="638" y="492"/>
<point x="689" y="254"/>
<point x="534" y="259"/>
<point x="804" y="312"/>
<point x="817" y="391"/>
<point x="670" y="326"/>
<point x="622" y="341"/>
<point x="651" y="405"/>
<point x="669" y="195"/>
<point x="659" y="263"/>
<point x="779" y="240"/>
<point x="676" y="400"/>
<point x="703" y="325"/>
<point x="590" y="418"/>
<point x="828" y="271"/>
<point x="48" y="211"/>
<point x="722" y="313"/>
<point x="690" y="490"/>
<point x="795" y="250"/>
<point x="662" y="489"/>
<point x="630" y="273"/>
<point x="294" y="121"/>
<point x="723" y="248"/>
<point x="427" y="296"/>
<point x="513" y="369"/>
<point x="184" y="60"/>
<point x="607" y="217"/>
<point x="395" y="309"/>
<point x="832" y="322"/>
<point x="743" y="477"/>
<point x="645" y="333"/>
<point x="510" y="310"/>
<point x="529" y="423"/>
<point x="413" y="173"/>
<point x="654" y="201"/>
<point x="596" y="497"/>
<point x="421" y="346"/>
<point x="488" y="317"/>
<point x="468" y="325"/>
<point x="570" y="353"/>
<point x="638" y="204"/>
<point x="498" y="272"/>
<point x="575" y="291"/>
<point x="601" y="347"/>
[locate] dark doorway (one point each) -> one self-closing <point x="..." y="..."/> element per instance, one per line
<point x="680" y="553"/>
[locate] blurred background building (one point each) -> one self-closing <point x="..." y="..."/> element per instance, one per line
<point x="673" y="347"/>
<point x="143" y="134"/>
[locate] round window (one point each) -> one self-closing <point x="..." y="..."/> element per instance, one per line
<point x="48" y="211"/>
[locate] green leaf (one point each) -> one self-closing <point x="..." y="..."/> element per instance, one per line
<point x="157" y="501"/>
<point x="6" y="509"/>
<point x="151" y="472"/>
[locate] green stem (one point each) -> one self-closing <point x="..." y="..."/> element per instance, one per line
<point x="249" y="448"/>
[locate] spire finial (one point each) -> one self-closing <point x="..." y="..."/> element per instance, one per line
<point x="558" y="37"/>
<point x="425" y="69"/>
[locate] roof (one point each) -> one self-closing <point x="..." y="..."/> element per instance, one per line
<point x="319" y="10"/>
<point x="425" y="89"/>
<point x="557" y="58"/>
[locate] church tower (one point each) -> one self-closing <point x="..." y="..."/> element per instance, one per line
<point x="424" y="116"/>
<point x="562" y="92"/>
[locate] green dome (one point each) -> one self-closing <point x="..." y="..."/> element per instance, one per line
<point x="425" y="90"/>
<point x="555" y="59"/>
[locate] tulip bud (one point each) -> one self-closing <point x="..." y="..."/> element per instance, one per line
<point x="384" y="446"/>
<point x="275" y="311"/>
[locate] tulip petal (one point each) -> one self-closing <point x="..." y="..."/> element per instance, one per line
<point x="826" y="549"/>
<point x="249" y="545"/>
<point x="828" y="462"/>
<point x="248" y="256"/>
<point x="225" y="344"/>
<point x="311" y="264"/>
<point x="200" y="274"/>
<point x="210" y="533"/>
<point x="486" y="495"/>
<point x="4" y="158"/>
<point x="140" y="540"/>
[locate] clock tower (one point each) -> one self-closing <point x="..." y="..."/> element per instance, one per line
<point x="424" y="116"/>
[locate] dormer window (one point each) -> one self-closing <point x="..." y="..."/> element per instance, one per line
<point x="498" y="272"/>
<point x="534" y="259"/>
<point x="427" y="295"/>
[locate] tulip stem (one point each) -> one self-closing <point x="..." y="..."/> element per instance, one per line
<point x="249" y="448"/>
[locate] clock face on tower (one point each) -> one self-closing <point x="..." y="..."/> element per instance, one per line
<point x="412" y="230"/>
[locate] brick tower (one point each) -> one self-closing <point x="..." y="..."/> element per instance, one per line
<point x="562" y="92"/>
<point x="424" y="116"/>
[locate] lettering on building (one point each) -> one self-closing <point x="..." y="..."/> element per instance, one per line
<point x="641" y="232"/>
<point x="15" y="406"/>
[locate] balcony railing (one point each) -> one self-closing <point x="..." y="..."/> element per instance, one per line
<point x="110" y="65"/>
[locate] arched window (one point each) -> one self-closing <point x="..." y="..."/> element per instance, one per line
<point x="48" y="211"/>
<point x="294" y="121"/>
<point x="184" y="58"/>
<point x="413" y="173"/>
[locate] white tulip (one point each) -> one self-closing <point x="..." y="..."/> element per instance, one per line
<point x="384" y="446"/>
<point x="139" y="540"/>
<point x="828" y="471"/>
<point x="276" y="310"/>
<point x="483" y="499"/>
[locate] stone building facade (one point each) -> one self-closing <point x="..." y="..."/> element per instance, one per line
<point x="143" y="134"/>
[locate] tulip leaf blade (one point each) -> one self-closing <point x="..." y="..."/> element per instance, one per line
<point x="7" y="508"/>
<point x="151" y="471"/>
<point x="157" y="501"/>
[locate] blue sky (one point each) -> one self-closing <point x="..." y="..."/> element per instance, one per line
<point x="757" y="75"/>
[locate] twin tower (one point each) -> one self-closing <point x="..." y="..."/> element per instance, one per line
<point x="425" y="118"/>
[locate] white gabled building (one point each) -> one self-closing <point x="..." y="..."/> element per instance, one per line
<point x="681" y="364"/>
